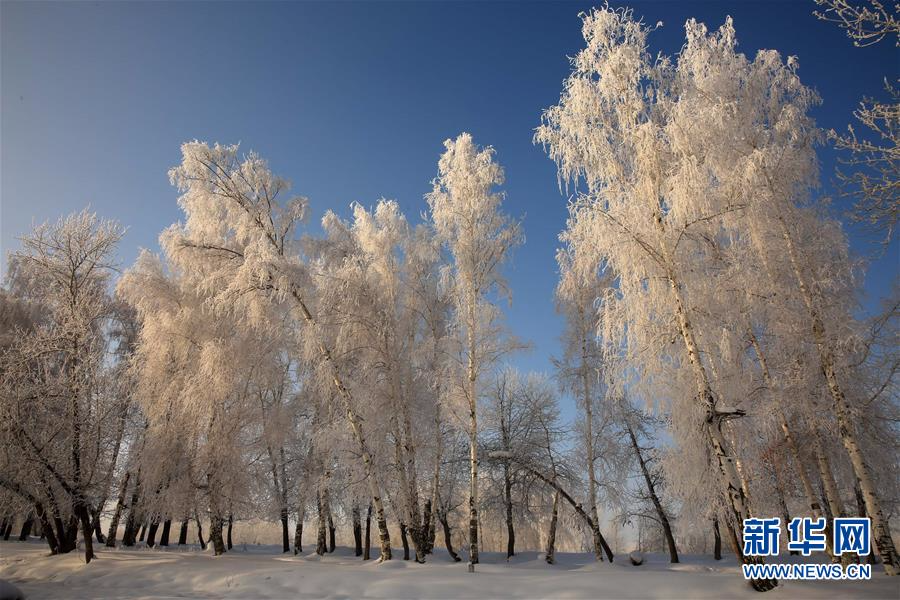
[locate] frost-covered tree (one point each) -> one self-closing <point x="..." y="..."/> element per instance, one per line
<point x="59" y="407"/>
<point x="467" y="218"/>
<point x="238" y="243"/>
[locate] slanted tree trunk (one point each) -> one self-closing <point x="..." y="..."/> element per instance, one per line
<point x="651" y="490"/>
<point x="448" y="538"/>
<point x="782" y="503"/>
<point x="8" y="531"/>
<point x="95" y="520"/>
<point x="143" y="532"/>
<point x="404" y="540"/>
<point x="117" y="514"/>
<point x="368" y="544"/>
<point x="579" y="510"/>
<point x="27" y="524"/>
<point x="550" y="556"/>
<point x="717" y="540"/>
<point x="730" y="480"/>
<point x="357" y="530"/>
<point x="151" y="533"/>
<point x="46" y="527"/>
<point x="811" y="496"/>
<point x="881" y="530"/>
<point x="356" y="426"/>
<point x="167" y="528"/>
<point x="182" y="534"/>
<point x="199" y="531"/>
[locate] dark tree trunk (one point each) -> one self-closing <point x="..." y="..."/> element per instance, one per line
<point x="8" y="531"/>
<point x="25" y="532"/>
<point x="404" y="540"/>
<point x="429" y="527"/>
<point x="657" y="504"/>
<point x="357" y="531"/>
<point x="321" y="540"/>
<point x="550" y="556"/>
<point x="298" y="534"/>
<point x="331" y="533"/>
<point x="448" y="542"/>
<point x="143" y="532"/>
<point x="117" y="514"/>
<point x="368" y="545"/>
<point x="133" y="523"/>
<point x="285" y="531"/>
<point x="200" y="532"/>
<point x="95" y="522"/>
<point x="215" y="534"/>
<point x="717" y="540"/>
<point x="230" y="529"/>
<point x="182" y="535"/>
<point x="164" y="538"/>
<point x="86" y="530"/>
<point x="151" y="532"/>
<point x="46" y="528"/>
<point x="507" y="497"/>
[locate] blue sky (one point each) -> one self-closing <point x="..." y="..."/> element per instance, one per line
<point x="351" y="102"/>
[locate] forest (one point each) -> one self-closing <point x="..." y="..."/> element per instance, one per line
<point x="351" y="384"/>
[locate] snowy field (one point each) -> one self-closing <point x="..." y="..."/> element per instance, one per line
<point x="262" y="572"/>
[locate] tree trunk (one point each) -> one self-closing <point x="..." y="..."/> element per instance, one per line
<point x="355" y="425"/>
<point x="782" y="503"/>
<point x="550" y="556"/>
<point x="298" y="532"/>
<point x="27" y="524"/>
<point x="589" y="432"/>
<point x="448" y="538"/>
<point x="428" y="523"/>
<point x="167" y="528"/>
<point x="200" y="532"/>
<point x="579" y="510"/>
<point x="331" y="527"/>
<point x="117" y="514"/>
<point x="8" y="531"/>
<point x="368" y="545"/>
<point x="230" y="530"/>
<point x="215" y="533"/>
<point x="131" y="522"/>
<point x="730" y="480"/>
<point x="151" y="533"/>
<point x="881" y="531"/>
<point x="321" y="540"/>
<point x="507" y="497"/>
<point x="285" y="531"/>
<point x="651" y="489"/>
<point x="46" y="528"/>
<point x="404" y="540"/>
<point x="357" y="531"/>
<point x="86" y="530"/>
<point x="717" y="540"/>
<point x="143" y="532"/>
<point x="182" y="534"/>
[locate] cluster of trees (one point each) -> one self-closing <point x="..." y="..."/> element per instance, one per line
<point x="357" y="377"/>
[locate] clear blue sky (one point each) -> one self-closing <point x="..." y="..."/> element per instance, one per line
<point x="349" y="101"/>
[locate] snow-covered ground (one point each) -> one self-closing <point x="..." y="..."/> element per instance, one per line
<point x="262" y="572"/>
